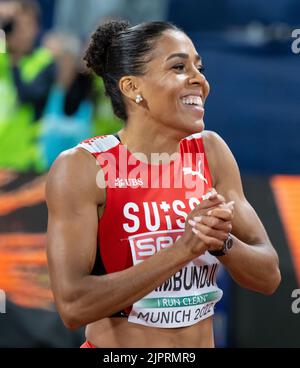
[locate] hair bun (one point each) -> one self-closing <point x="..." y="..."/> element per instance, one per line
<point x="96" y="55"/>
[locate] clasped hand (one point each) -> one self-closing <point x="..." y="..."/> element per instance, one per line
<point x="208" y="224"/>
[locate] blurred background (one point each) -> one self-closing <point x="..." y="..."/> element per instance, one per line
<point x="48" y="104"/>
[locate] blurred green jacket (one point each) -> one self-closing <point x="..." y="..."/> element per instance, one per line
<point x="18" y="149"/>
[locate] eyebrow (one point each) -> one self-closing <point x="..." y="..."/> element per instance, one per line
<point x="184" y="56"/>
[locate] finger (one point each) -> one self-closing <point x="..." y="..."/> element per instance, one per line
<point x="224" y="225"/>
<point x="198" y="211"/>
<point x="212" y="194"/>
<point x="229" y="205"/>
<point x="207" y="240"/>
<point x="214" y="222"/>
<point x="222" y="213"/>
<point x="210" y="232"/>
<point x="212" y="201"/>
<point x="203" y="207"/>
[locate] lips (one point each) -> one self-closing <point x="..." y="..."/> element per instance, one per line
<point x="193" y="104"/>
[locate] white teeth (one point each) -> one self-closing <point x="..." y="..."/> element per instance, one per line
<point x="192" y="100"/>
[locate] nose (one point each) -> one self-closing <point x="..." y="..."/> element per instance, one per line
<point x="197" y="77"/>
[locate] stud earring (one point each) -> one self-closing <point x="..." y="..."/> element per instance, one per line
<point x="138" y="99"/>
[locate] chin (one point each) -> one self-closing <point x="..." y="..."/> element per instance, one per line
<point x="200" y="125"/>
<point x="196" y="126"/>
<point x="191" y="128"/>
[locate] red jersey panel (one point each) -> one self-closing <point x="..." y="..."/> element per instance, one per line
<point x="146" y="208"/>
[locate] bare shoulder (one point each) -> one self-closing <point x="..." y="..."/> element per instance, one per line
<point x="213" y="142"/>
<point x="219" y="155"/>
<point x="73" y="176"/>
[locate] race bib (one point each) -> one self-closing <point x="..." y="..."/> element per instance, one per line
<point x="184" y="299"/>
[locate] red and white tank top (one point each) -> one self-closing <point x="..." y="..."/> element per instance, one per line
<point x="145" y="211"/>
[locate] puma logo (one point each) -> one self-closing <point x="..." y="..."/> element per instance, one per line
<point x="188" y="170"/>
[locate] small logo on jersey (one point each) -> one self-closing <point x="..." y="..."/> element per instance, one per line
<point x="189" y="170"/>
<point x="146" y="245"/>
<point x="125" y="183"/>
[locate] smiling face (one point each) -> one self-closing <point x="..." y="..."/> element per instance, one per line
<point x="174" y="89"/>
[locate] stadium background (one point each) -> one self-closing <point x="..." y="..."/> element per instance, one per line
<point x="253" y="105"/>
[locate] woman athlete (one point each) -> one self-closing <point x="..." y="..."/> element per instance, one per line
<point x="136" y="233"/>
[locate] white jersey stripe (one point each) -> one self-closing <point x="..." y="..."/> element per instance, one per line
<point x="194" y="136"/>
<point x="99" y="144"/>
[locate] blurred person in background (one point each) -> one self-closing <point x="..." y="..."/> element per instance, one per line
<point x="67" y="117"/>
<point x="77" y="106"/>
<point x="27" y="72"/>
<point x="104" y="119"/>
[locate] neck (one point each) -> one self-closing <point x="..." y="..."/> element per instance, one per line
<point x="147" y="136"/>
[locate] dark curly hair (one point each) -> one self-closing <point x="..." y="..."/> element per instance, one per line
<point x="116" y="50"/>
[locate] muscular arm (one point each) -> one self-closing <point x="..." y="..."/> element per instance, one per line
<point x="252" y="262"/>
<point x="72" y="199"/>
